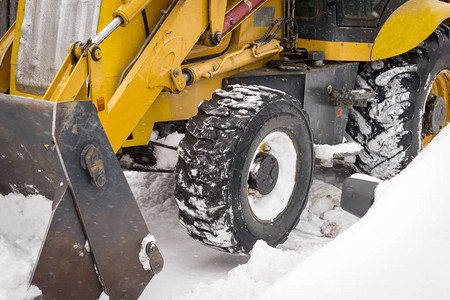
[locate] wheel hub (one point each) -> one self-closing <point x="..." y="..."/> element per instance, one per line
<point x="440" y="89"/>
<point x="434" y="117"/>
<point x="265" y="177"/>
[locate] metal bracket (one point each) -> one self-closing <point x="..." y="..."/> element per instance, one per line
<point x="350" y="98"/>
<point x="91" y="160"/>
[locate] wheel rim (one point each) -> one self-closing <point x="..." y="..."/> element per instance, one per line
<point x="440" y="88"/>
<point x="267" y="207"/>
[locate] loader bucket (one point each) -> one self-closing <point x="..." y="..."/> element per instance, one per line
<point x="97" y="239"/>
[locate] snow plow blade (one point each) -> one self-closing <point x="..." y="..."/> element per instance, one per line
<point x="97" y="239"/>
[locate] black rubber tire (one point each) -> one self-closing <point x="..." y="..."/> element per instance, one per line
<point x="214" y="159"/>
<point x="390" y="127"/>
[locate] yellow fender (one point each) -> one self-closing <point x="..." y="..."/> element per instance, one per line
<point x="408" y="26"/>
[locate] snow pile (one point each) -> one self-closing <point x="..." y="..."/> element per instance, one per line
<point x="323" y="216"/>
<point x="265" y="266"/>
<point x="399" y="250"/>
<point x="23" y="222"/>
<point x="167" y="159"/>
<point x="154" y="195"/>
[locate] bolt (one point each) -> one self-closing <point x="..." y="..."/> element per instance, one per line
<point x="96" y="53"/>
<point x="149" y="248"/>
<point x="176" y="72"/>
<point x="217" y="37"/>
<point x="329" y="89"/>
<point x="101" y="180"/>
<point x="155" y="259"/>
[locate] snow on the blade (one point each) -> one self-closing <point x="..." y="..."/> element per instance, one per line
<point x="143" y="257"/>
<point x="23" y="222"/>
<point x="33" y="292"/>
<point x="398" y="250"/>
<point x="103" y="296"/>
<point x="87" y="246"/>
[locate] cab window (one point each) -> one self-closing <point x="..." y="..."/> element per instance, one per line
<point x="362" y="9"/>
<point x="306" y="9"/>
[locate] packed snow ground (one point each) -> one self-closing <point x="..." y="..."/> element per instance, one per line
<point x="190" y="268"/>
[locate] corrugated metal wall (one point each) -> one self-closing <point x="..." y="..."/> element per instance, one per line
<point x="8" y="9"/>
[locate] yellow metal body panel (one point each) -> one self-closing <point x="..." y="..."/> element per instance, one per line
<point x="124" y="43"/>
<point x="5" y="58"/>
<point x="143" y="97"/>
<point x="139" y="90"/>
<point x="408" y="26"/>
<point x="182" y="106"/>
<point x="217" y="15"/>
<point x="69" y="80"/>
<point x="129" y="9"/>
<point x="341" y="51"/>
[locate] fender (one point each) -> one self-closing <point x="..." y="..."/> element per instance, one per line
<point x="408" y="26"/>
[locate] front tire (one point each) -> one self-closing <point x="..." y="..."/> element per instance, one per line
<point x="244" y="149"/>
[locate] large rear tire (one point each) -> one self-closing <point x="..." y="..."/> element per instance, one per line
<point x="391" y="128"/>
<point x="245" y="168"/>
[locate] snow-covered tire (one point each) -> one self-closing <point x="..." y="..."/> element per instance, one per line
<point x="390" y="127"/>
<point x="217" y="155"/>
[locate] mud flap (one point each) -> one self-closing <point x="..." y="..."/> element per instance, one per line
<point x="95" y="237"/>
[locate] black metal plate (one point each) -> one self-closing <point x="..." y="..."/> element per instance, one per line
<point x="65" y="269"/>
<point x="25" y="165"/>
<point x="110" y="216"/>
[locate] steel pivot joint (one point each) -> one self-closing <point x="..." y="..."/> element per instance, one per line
<point x="91" y="160"/>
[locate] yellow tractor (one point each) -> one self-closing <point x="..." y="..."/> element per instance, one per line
<point x="281" y="75"/>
